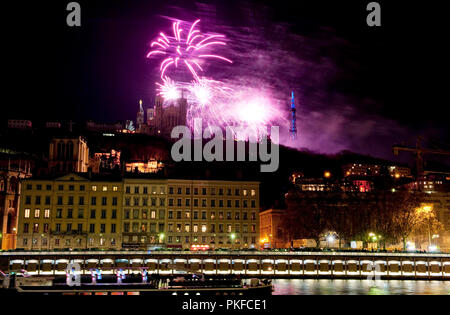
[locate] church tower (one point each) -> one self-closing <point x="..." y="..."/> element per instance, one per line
<point x="140" y="116"/>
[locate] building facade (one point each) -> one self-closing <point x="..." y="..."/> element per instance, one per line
<point x="69" y="155"/>
<point x="12" y="173"/>
<point x="271" y="229"/>
<point x="78" y="212"/>
<point x="214" y="214"/>
<point x="72" y="212"/>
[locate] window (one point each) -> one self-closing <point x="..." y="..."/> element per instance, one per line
<point x="228" y="228"/>
<point x="161" y="214"/>
<point x="47" y="200"/>
<point x="81" y="200"/>
<point x="29" y="186"/>
<point x="60" y="187"/>
<point x="114" y="201"/>
<point x="127" y="213"/>
<point x="127" y="189"/>
<point x="244" y="192"/>
<point x="58" y="227"/>
<point x="38" y="200"/>
<point x="25" y="228"/>
<point x="105" y="188"/>
<point x="136" y="214"/>
<point x="153" y="214"/>
<point x="37" y="212"/>
<point x="170" y="216"/>
<point x="236" y="203"/>
<point x="94" y="188"/>
<point x="115" y="188"/>
<point x="126" y="227"/>
<point x="253" y="192"/>
<point x="103" y="215"/>
<point x="228" y="215"/>
<point x="195" y="215"/>
<point x="186" y="228"/>
<point x="69" y="227"/>
<point x="203" y="191"/>
<point x="179" y="191"/>
<point x="236" y="192"/>
<point x="179" y="202"/>
<point x="203" y="203"/>
<point x="60" y="200"/>
<point x="104" y="201"/>
<point x="93" y="214"/>
<point x="161" y="227"/>
<point x="170" y="202"/>
<point x="195" y="202"/>
<point x="244" y="203"/>
<point x="195" y="228"/>
<point x="113" y="228"/>
<point x="93" y="201"/>
<point x="204" y="228"/>
<point x="178" y="215"/>
<point x="188" y="202"/>
<point x="144" y="214"/>
<point x="213" y="215"/>
<point x="91" y="228"/>
<point x="27" y="213"/>
<point x="253" y="216"/>
<point x="253" y="203"/>
<point x="82" y="187"/>
<point x="228" y="203"/>
<point x="102" y="228"/>
<point x="171" y="190"/>
<point x="69" y="213"/>
<point x="203" y="215"/>
<point x="59" y="213"/>
<point x="36" y="228"/>
<point x="48" y="187"/>
<point x="188" y="191"/>
<point x="213" y="228"/>
<point x="213" y="202"/>
<point x="136" y="189"/>
<point x="80" y="213"/>
<point x="71" y="187"/>
<point x="47" y="213"/>
<point x="80" y="227"/>
<point x="114" y="214"/>
<point x="244" y="216"/>
<point x="28" y="200"/>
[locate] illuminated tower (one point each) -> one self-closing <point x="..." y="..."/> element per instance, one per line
<point x="140" y="116"/>
<point x="293" y="129"/>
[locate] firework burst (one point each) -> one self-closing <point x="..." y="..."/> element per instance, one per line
<point x="188" y="51"/>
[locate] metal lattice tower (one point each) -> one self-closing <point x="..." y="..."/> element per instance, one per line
<point x="293" y="129"/>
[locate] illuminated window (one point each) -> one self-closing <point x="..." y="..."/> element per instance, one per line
<point x="203" y="228"/>
<point x="253" y="193"/>
<point x="94" y="188"/>
<point x="105" y="188"/>
<point x="47" y="213"/>
<point x="27" y="213"/>
<point x="115" y="188"/>
<point x="37" y="212"/>
<point x="195" y="228"/>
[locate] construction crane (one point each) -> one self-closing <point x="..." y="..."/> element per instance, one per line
<point x="419" y="151"/>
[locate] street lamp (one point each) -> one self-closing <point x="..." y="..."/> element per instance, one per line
<point x="232" y="236"/>
<point x="327" y="174"/>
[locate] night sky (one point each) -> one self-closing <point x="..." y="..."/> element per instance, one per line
<point x="358" y="88"/>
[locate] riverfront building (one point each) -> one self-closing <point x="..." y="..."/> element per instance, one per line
<point x="78" y="211"/>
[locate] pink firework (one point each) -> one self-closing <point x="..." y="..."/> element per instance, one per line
<point x="187" y="51"/>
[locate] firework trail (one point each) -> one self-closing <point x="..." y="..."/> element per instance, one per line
<point x="189" y="51"/>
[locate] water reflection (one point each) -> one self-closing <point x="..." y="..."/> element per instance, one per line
<point x="359" y="287"/>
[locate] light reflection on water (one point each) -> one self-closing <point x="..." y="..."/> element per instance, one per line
<point x="359" y="287"/>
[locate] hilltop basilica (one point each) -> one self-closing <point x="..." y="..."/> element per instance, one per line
<point x="162" y="117"/>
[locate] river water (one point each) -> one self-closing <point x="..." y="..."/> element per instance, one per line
<point x="359" y="287"/>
